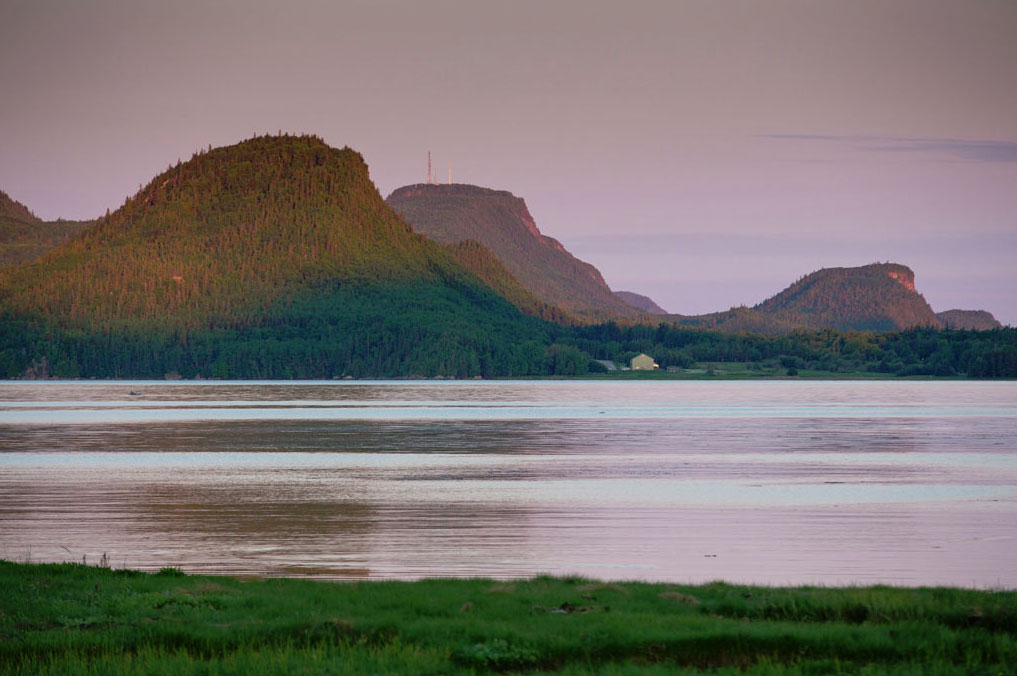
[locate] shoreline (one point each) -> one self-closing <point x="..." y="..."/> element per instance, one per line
<point x="647" y="377"/>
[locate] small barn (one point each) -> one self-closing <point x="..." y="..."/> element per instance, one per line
<point x="643" y="362"/>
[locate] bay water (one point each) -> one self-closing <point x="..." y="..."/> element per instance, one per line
<point x="773" y="482"/>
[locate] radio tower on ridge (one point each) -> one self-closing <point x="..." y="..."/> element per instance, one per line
<point x="432" y="173"/>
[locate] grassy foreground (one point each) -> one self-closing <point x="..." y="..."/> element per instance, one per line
<point x="74" y="619"/>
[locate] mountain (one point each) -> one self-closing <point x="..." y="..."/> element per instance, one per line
<point x="23" y="237"/>
<point x="15" y="210"/>
<point x="739" y="319"/>
<point x="877" y="297"/>
<point x="274" y="257"/>
<point x="972" y="320"/>
<point x="277" y="258"/>
<point x="641" y="302"/>
<point x="501" y="223"/>
<point x="482" y="263"/>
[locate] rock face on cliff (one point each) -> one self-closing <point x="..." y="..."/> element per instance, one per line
<point x="972" y="320"/>
<point x="641" y="302"/>
<point x="501" y="223"/>
<point x="877" y="297"/>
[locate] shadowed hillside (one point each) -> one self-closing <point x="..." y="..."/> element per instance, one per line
<point x="23" y="237"/>
<point x="481" y="262"/>
<point x="641" y="302"/>
<point x="736" y="320"/>
<point x="500" y="222"/>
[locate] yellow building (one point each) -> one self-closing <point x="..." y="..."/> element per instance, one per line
<point x="643" y="362"/>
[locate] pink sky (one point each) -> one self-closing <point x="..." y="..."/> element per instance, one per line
<point x="706" y="153"/>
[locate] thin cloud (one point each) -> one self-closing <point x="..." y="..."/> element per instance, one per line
<point x="974" y="150"/>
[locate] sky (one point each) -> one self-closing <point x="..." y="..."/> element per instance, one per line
<point x="706" y="153"/>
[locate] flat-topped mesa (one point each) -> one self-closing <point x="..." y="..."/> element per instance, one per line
<point x="501" y="222"/>
<point x="417" y="189"/>
<point x="436" y="191"/>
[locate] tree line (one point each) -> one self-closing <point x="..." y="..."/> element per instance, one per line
<point x="355" y="335"/>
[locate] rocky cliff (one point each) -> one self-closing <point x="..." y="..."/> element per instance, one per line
<point x="501" y="222"/>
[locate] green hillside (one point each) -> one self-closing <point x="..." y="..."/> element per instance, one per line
<point x="23" y="237"/>
<point x="275" y="257"/>
<point x="641" y="302"/>
<point x="481" y="262"/>
<point x="877" y="297"/>
<point x="500" y="222"/>
<point x="736" y="320"/>
<point x="11" y="208"/>
<point x="214" y="241"/>
<point x="973" y="320"/>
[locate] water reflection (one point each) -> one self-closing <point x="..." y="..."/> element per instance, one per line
<point x="775" y="490"/>
<point x="654" y="436"/>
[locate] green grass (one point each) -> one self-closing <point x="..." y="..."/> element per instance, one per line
<point x="75" y="619"/>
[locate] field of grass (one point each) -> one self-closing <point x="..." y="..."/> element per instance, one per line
<point x="75" y="619"/>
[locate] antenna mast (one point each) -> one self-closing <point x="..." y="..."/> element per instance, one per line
<point x="450" y="173"/>
<point x="428" y="166"/>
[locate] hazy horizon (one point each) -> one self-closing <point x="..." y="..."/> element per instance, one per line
<point x="705" y="154"/>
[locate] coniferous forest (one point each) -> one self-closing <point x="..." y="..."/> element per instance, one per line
<point x="278" y="258"/>
<point x="439" y="337"/>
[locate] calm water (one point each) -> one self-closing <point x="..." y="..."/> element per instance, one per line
<point x="774" y="482"/>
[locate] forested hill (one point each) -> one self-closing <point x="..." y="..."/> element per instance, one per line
<point x="10" y="208"/>
<point x="216" y="240"/>
<point x="277" y="258"/>
<point x="23" y="237"/>
<point x="274" y="257"/>
<point x="641" y="302"/>
<point x="500" y="222"/>
<point x="877" y="297"/>
<point x="482" y="263"/>
<point x="972" y="320"/>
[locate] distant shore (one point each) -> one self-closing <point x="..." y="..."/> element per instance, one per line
<point x="723" y="371"/>
<point x="70" y="618"/>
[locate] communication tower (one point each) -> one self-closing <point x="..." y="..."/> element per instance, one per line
<point x="432" y="174"/>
